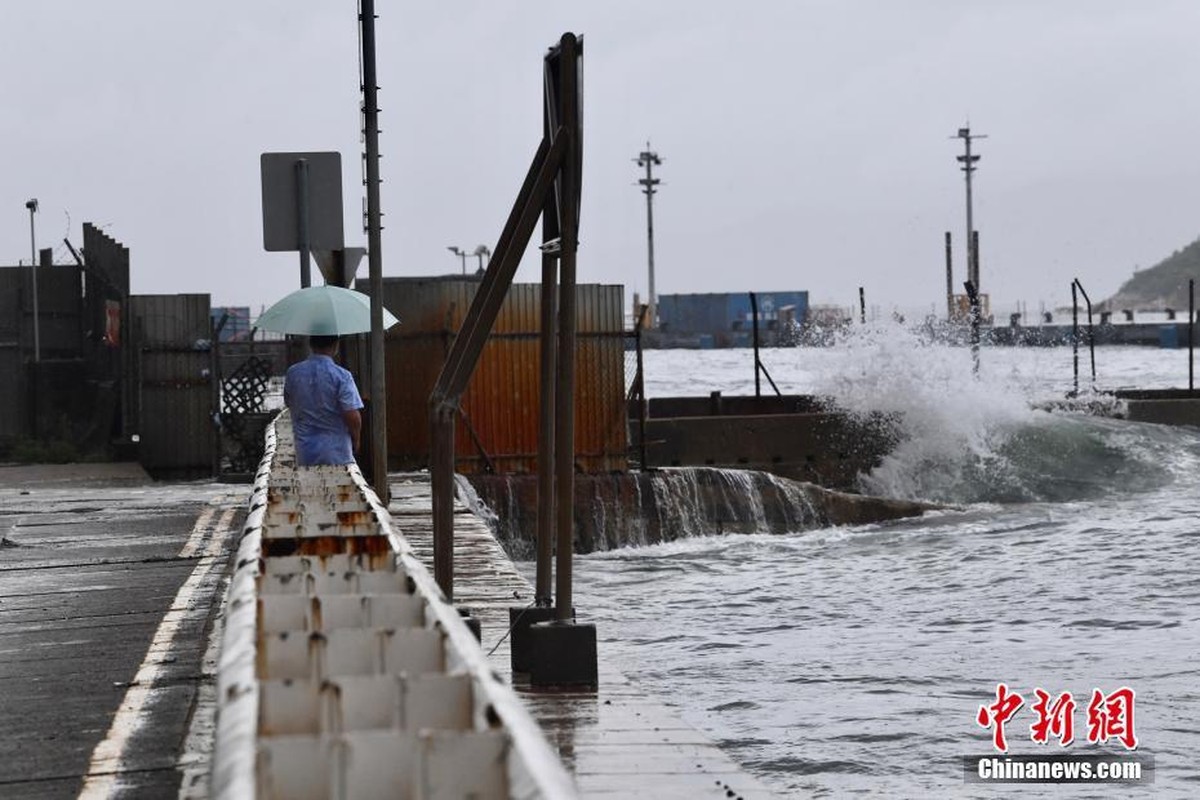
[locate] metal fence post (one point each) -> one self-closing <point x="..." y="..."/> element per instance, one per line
<point x="549" y="367"/>
<point x="1075" y="333"/>
<point x="754" y="326"/>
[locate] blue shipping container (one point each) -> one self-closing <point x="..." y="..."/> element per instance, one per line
<point x="726" y="312"/>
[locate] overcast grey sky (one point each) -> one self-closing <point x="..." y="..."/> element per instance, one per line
<point x="806" y="142"/>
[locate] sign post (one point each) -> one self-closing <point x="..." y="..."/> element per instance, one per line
<point x="302" y="205"/>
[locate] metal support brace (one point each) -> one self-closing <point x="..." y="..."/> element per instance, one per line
<point x="468" y="346"/>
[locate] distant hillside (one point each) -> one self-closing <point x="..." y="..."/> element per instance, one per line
<point x="1165" y="285"/>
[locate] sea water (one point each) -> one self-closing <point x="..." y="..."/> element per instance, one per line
<point x="855" y="660"/>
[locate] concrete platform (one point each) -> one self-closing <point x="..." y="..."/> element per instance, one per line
<point x="617" y="741"/>
<point x="108" y="584"/>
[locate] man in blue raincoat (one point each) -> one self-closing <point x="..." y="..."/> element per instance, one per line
<point x="325" y="406"/>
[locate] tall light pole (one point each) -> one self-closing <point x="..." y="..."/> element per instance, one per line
<point x="649" y="159"/>
<point x="462" y="254"/>
<point x="32" y="205"/>
<point x="968" y="166"/>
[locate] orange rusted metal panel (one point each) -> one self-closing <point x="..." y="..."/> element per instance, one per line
<point x="499" y="423"/>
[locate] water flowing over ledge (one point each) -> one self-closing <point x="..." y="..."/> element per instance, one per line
<point x="620" y="510"/>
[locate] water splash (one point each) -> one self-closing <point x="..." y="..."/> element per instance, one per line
<point x="967" y="438"/>
<point x="465" y="493"/>
<point x="636" y="509"/>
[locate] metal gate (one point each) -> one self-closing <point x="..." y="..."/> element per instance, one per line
<point x="247" y="371"/>
<point x="176" y="393"/>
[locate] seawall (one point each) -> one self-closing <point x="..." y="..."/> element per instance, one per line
<point x="640" y="508"/>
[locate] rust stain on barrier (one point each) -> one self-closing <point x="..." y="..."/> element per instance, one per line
<point x="354" y="517"/>
<point x="324" y="546"/>
<point x="318" y="620"/>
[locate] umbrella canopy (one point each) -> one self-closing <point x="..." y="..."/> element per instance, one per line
<point x="322" y="311"/>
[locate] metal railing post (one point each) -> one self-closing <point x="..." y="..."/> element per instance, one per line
<point x="1091" y="334"/>
<point x="1075" y="332"/>
<point x="754" y="325"/>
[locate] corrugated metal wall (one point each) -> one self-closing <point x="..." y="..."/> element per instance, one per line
<point x="60" y="315"/>
<point x="13" y="413"/>
<point x="501" y="403"/>
<point x="174" y="383"/>
<point x="107" y="281"/>
<point x="60" y="311"/>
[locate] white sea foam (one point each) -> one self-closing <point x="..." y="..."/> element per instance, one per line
<point x="969" y="438"/>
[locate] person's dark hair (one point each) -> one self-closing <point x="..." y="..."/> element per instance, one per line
<point x="322" y="342"/>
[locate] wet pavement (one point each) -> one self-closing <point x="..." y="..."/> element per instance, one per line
<point x="109" y="584"/>
<point x="111" y="587"/>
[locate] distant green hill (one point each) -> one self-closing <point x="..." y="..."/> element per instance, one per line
<point x="1165" y="285"/>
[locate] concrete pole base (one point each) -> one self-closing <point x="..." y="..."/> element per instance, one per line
<point x="472" y="623"/>
<point x="519" y="620"/>
<point x="563" y="655"/>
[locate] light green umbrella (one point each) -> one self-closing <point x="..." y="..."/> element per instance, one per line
<point x="322" y="311"/>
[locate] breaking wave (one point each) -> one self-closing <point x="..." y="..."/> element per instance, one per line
<point x="974" y="439"/>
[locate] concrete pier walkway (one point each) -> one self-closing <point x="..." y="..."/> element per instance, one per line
<point x="108" y="584"/>
<point x="616" y="742"/>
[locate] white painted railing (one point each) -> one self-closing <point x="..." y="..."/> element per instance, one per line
<point x="344" y="674"/>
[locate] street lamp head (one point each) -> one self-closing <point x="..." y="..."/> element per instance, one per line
<point x="456" y="251"/>
<point x="32" y="205"/>
<point x="482" y="250"/>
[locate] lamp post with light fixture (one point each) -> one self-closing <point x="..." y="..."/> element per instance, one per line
<point x="462" y="254"/>
<point x="32" y="205"/>
<point x="968" y="161"/>
<point x="649" y="159"/>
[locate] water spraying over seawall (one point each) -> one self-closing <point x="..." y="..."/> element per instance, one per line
<point x="967" y="439"/>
